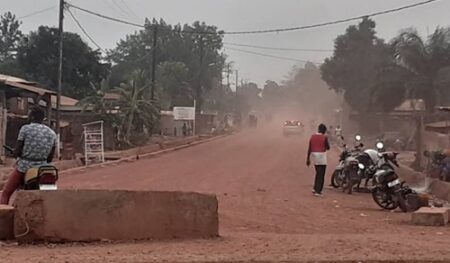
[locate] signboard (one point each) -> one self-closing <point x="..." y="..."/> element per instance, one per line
<point x="184" y="113"/>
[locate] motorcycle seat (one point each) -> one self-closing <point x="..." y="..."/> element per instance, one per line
<point x="45" y="172"/>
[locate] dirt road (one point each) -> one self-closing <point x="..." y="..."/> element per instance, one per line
<point x="267" y="211"/>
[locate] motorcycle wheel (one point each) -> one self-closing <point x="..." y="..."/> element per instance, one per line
<point x="347" y="185"/>
<point x="409" y="202"/>
<point x="413" y="201"/>
<point x="383" y="199"/>
<point x="336" y="179"/>
<point x="402" y="203"/>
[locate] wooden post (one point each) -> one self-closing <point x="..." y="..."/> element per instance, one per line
<point x="419" y="143"/>
<point x="48" y="101"/>
<point x="3" y="121"/>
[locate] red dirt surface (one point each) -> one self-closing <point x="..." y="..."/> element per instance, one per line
<point x="267" y="211"/>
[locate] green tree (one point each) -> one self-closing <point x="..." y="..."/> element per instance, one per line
<point x="354" y="66"/>
<point x="198" y="52"/>
<point x="220" y="98"/>
<point x="425" y="63"/>
<point x="389" y="89"/>
<point x="10" y="36"/>
<point x="174" y="85"/>
<point x="272" y="94"/>
<point x="38" y="58"/>
<point x="138" y="115"/>
<point x="96" y="101"/>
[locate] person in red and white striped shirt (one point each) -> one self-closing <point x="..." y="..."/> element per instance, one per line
<point x="318" y="146"/>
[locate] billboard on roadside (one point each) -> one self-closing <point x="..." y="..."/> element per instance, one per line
<point x="184" y="113"/>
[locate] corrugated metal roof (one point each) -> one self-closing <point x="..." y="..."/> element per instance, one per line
<point x="24" y="85"/>
<point x="15" y="79"/>
<point x="442" y="127"/>
<point x="65" y="101"/>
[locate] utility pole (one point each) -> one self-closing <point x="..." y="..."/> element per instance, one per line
<point x="60" y="61"/>
<point x="200" y="74"/>
<point x="237" y="81"/>
<point x="221" y="72"/>
<point x="155" y="43"/>
<point x="228" y="75"/>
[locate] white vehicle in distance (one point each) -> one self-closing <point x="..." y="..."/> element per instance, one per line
<point x="293" y="128"/>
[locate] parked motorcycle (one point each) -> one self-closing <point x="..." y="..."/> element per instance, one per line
<point x="389" y="193"/>
<point x="373" y="160"/>
<point x="346" y="175"/>
<point x="43" y="177"/>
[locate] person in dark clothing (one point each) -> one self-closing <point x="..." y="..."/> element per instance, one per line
<point x="318" y="146"/>
<point x="184" y="129"/>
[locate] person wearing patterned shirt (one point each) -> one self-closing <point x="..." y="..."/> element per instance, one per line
<point x="35" y="147"/>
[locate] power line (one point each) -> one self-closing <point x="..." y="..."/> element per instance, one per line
<point x="121" y="8"/>
<point x="129" y="8"/>
<point x="278" y="48"/>
<point x="331" y="22"/>
<point x="83" y="30"/>
<point x="271" y="30"/>
<point x="110" y="6"/>
<point x="37" y="12"/>
<point x="271" y="56"/>
<point x="105" y="17"/>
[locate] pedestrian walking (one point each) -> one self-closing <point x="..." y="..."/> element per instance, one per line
<point x="318" y="146"/>
<point x="184" y="129"/>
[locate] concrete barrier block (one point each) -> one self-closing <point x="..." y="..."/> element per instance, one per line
<point x="90" y="215"/>
<point x="440" y="189"/>
<point x="6" y="222"/>
<point x="431" y="216"/>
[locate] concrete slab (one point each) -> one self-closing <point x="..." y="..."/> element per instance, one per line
<point x="431" y="216"/>
<point x="6" y="222"/>
<point x="90" y="215"/>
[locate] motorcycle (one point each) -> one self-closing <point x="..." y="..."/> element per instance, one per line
<point x="346" y="175"/>
<point x="43" y="177"/>
<point x="389" y="193"/>
<point x="373" y="160"/>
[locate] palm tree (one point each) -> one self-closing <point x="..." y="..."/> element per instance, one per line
<point x="136" y="112"/>
<point x="96" y="101"/>
<point x="427" y="63"/>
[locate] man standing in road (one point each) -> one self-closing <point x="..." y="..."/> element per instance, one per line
<point x="318" y="146"/>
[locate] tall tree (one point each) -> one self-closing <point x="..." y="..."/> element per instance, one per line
<point x="138" y="115"/>
<point x="252" y="94"/>
<point x="174" y="88"/>
<point x="272" y="94"/>
<point x="10" y="36"/>
<point x="198" y="52"/>
<point x="353" y="68"/>
<point x="426" y="64"/>
<point x="38" y="56"/>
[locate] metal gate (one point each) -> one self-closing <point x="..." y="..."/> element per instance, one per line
<point x="93" y="142"/>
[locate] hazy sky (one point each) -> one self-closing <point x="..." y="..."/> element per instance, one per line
<point x="237" y="15"/>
